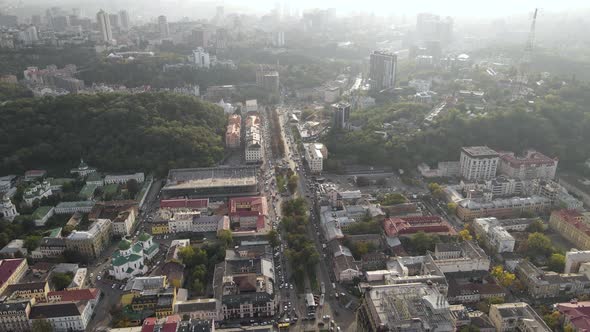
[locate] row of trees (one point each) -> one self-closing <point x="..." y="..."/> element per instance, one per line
<point x="200" y="265"/>
<point x="114" y="132"/>
<point x="277" y="145"/>
<point x="301" y="251"/>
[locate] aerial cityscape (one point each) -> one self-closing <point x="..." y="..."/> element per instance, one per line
<point x="189" y="166"/>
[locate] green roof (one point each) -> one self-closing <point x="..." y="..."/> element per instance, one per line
<point x="41" y="212"/>
<point x="111" y="188"/>
<point x="144" y="236"/>
<point x="94" y="177"/>
<point x="124" y="259"/>
<point x="54" y="232"/>
<point x="124" y="244"/>
<point x="152" y="248"/>
<point x="88" y="191"/>
<point x="59" y="181"/>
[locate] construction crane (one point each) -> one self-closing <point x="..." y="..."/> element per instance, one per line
<point x="527" y="56"/>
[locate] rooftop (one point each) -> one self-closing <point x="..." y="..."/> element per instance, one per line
<point x="211" y="177"/>
<point x="479" y="151"/>
<point x="8" y="267"/>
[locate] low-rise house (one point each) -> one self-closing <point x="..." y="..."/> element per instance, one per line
<point x="122" y="214"/>
<point x="15" y="248"/>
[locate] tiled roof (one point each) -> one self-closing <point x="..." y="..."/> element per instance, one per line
<point x="75" y="294"/>
<point x="52" y="310"/>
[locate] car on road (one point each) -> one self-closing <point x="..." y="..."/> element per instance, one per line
<point x="98" y="278"/>
<point x="113" y="286"/>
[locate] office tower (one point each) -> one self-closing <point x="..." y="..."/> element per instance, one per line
<point x="76" y="12"/>
<point x="201" y="58"/>
<point x="102" y="18"/>
<point x="341" y="115"/>
<point x="219" y="13"/>
<point x="478" y="163"/>
<point x="221" y="38"/>
<point x="382" y="71"/>
<point x="200" y="37"/>
<point x="163" y="26"/>
<point x="29" y="35"/>
<point x="432" y="28"/>
<point x="278" y="38"/>
<point x="114" y="20"/>
<point x="61" y="23"/>
<point x="124" y="19"/>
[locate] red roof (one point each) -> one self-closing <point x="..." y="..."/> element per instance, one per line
<point x="578" y="313"/>
<point x="184" y="203"/>
<point x="75" y="294"/>
<point x="149" y="324"/>
<point x="531" y="158"/>
<point x="171" y="323"/>
<point x="252" y="203"/>
<point x="7" y="268"/>
<point x="573" y="218"/>
<point x="411" y="225"/>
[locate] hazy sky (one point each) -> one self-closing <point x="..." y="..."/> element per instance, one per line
<point x="444" y="7"/>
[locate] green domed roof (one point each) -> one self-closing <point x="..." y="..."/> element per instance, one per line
<point x="144" y="236"/>
<point x="124" y="244"/>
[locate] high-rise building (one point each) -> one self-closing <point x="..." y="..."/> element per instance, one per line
<point x="200" y="37"/>
<point x="431" y="27"/>
<point x="382" y="71"/>
<point x="341" y="115"/>
<point x="221" y="38"/>
<point x="163" y="26"/>
<point x="478" y="163"/>
<point x="29" y="35"/>
<point x="201" y="58"/>
<point x="278" y="38"/>
<point x="102" y="18"/>
<point x="124" y="19"/>
<point x="114" y="20"/>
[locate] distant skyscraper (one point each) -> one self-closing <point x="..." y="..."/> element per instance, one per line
<point x="124" y="19"/>
<point x="76" y="12"/>
<point x="219" y="13"/>
<point x="431" y="27"/>
<point x="29" y="35"/>
<point x="163" y="26"/>
<point x="382" y="71"/>
<point x="200" y="37"/>
<point x="114" y="20"/>
<point x="102" y="18"/>
<point x="36" y="20"/>
<point x="278" y="38"/>
<point x="341" y="115"/>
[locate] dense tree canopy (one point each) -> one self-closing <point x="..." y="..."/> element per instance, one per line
<point x="114" y="132"/>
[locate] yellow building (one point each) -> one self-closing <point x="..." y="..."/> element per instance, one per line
<point x="573" y="226"/>
<point x="160" y="227"/>
<point x="30" y="290"/>
<point x="11" y="272"/>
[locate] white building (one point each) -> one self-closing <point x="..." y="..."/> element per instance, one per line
<point x="252" y="105"/>
<point x="72" y="207"/>
<point x="7" y="209"/>
<point x="574" y="259"/>
<point x="131" y="258"/>
<point x="37" y="191"/>
<point x="163" y="26"/>
<point x="29" y="35"/>
<point x="102" y="19"/>
<point x="490" y="230"/>
<point x="253" y="150"/>
<point x="478" y="163"/>
<point x="64" y="316"/>
<point x="120" y="179"/>
<point x="201" y="58"/>
<point x="460" y="257"/>
<point x="278" y="38"/>
<point x="315" y="153"/>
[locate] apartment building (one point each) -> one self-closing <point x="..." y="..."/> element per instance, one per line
<point x="122" y="215"/>
<point x="11" y="272"/>
<point x="94" y="241"/>
<point x="518" y="316"/>
<point x="478" y="163"/>
<point x="315" y="154"/>
<point x="572" y="225"/>
<point x="233" y="132"/>
<point x="531" y="165"/>
<point x="14" y="316"/>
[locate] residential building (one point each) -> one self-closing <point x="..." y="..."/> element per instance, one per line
<point x="158" y="302"/>
<point x="73" y="207"/>
<point x="196" y="222"/>
<point x="248" y="213"/>
<point x="473" y="287"/>
<point x="575" y="314"/>
<point x="543" y="284"/>
<point x="102" y="19"/>
<point x="382" y="71"/>
<point x="405" y="307"/>
<point x="202" y="309"/>
<point x="517" y="316"/>
<point x="14" y="316"/>
<point x="253" y="139"/>
<point x="469" y="209"/>
<point x="531" y="165"/>
<point x="131" y="259"/>
<point x="124" y="20"/>
<point x="185" y="204"/>
<point x="315" y="153"/>
<point x="574" y="259"/>
<point x="64" y="316"/>
<point x="233" y="132"/>
<point x="7" y="208"/>
<point x="345" y="267"/>
<point x="577" y="185"/>
<point x="497" y="237"/>
<point x="460" y="257"/>
<point x="201" y="58"/>
<point x="122" y="215"/>
<point x="251" y="105"/>
<point x="478" y="163"/>
<point x="79" y="279"/>
<point x="94" y="241"/>
<point x="407" y="226"/>
<point x="341" y="115"/>
<point x="14" y="249"/>
<point x="163" y="26"/>
<point x="572" y="225"/>
<point x="331" y="94"/>
<point x="11" y="272"/>
<point x="245" y="288"/>
<point x="123" y="178"/>
<point x="28" y="291"/>
<point x="52" y="246"/>
<point x="74" y="295"/>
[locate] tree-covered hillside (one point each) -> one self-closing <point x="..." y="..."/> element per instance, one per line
<point x="557" y="124"/>
<point x="114" y="132"/>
